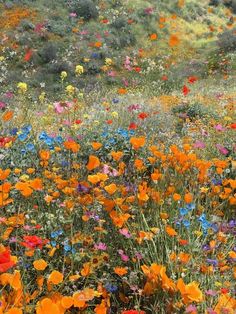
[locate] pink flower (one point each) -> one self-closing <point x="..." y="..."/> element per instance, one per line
<point x="125" y="232"/>
<point x="2" y="105"/>
<point x="219" y="127"/>
<point x="125" y="258"/>
<point x="100" y="246"/>
<point x="60" y="107"/>
<point x="222" y="149"/>
<point x="199" y="144"/>
<point x="73" y="14"/>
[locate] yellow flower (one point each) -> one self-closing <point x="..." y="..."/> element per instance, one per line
<point x="86" y="60"/>
<point x="108" y="61"/>
<point x="42" y="96"/>
<point x="63" y="75"/>
<point x="114" y="114"/>
<point x="2" y="58"/>
<point x="70" y="89"/>
<point x="79" y="69"/>
<point x="22" y="87"/>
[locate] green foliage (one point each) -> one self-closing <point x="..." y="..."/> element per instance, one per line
<point x="86" y="9"/>
<point x="227" y="40"/>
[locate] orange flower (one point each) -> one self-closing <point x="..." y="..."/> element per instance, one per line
<point x="44" y="155"/>
<point x="47" y="306"/>
<point x="86" y="270"/>
<point x="120" y="271"/>
<point x="122" y="91"/>
<point x="117" y="155"/>
<point x="153" y="36"/>
<point x="96" y="145"/>
<point x="190" y="293"/>
<point x="170" y="231"/>
<point x="67" y="302"/>
<point x="176" y="197"/>
<point x="24" y="188"/>
<point x="14" y="310"/>
<point x="4" y="174"/>
<point x="101" y="308"/>
<point x="137" y="142"/>
<point x="7" y="116"/>
<point x="188" y="198"/>
<point x="98" y="44"/>
<point x="93" y="162"/>
<point x="110" y="189"/>
<point x="72" y="145"/>
<point x="55" y="277"/>
<point x="174" y="41"/>
<point x="40" y="264"/>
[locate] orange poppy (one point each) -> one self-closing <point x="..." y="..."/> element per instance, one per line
<point x="111" y="189"/>
<point x="4" y="174"/>
<point x="55" y="277"/>
<point x="96" y="145"/>
<point x="171" y="231"/>
<point x="40" y="264"/>
<point x="93" y="162"/>
<point x="137" y="142"/>
<point x="153" y="36"/>
<point x="120" y="271"/>
<point x="174" y="41"/>
<point x="117" y="155"/>
<point x="7" y="116"/>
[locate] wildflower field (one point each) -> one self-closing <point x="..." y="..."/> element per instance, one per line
<point x="118" y="157"/>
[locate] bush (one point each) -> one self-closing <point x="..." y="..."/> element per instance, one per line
<point x="48" y="52"/>
<point x="227" y="41"/>
<point x="86" y="9"/>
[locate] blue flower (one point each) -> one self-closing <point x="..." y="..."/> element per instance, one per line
<point x="186" y="223"/>
<point x="115" y="100"/>
<point x="111" y="288"/>
<point x="191" y="206"/>
<point x="30" y="147"/>
<point x="13" y="131"/>
<point x="183" y="211"/>
<point x="23" y="136"/>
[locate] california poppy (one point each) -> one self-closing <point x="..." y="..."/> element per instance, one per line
<point x="93" y="162"/>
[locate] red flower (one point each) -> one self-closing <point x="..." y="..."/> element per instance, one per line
<point x="143" y="115"/>
<point x="185" y="90"/>
<point x="192" y="79"/>
<point x="233" y="126"/>
<point x="78" y="121"/>
<point x="164" y="78"/>
<point x="109" y="121"/>
<point x="33" y="242"/>
<point x="137" y="69"/>
<point x="133" y="312"/>
<point x="6" y="261"/>
<point x="132" y="126"/>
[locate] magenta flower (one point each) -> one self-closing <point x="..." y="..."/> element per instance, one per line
<point x="222" y="149"/>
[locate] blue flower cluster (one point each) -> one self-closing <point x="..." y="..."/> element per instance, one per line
<point x="49" y="140"/>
